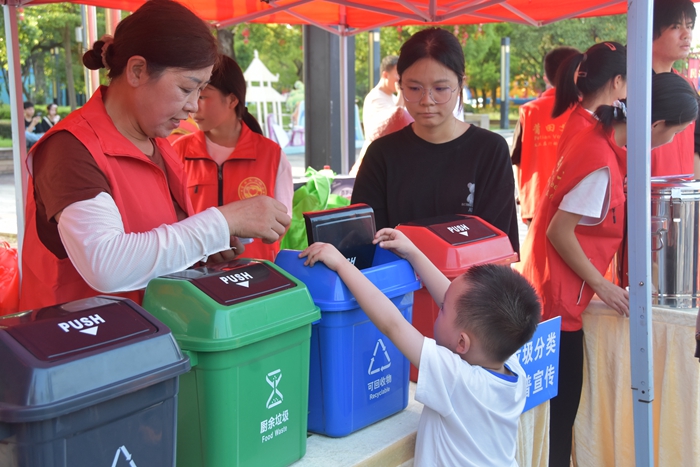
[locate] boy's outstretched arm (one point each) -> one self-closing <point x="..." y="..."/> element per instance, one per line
<point x="375" y="304"/>
<point x="433" y="279"/>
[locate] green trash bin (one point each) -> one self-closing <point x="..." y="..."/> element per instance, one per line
<point x="246" y="326"/>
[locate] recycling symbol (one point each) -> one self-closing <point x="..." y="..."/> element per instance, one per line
<point x="122" y="451"/>
<point x="372" y="369"/>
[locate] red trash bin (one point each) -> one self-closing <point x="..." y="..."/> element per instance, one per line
<point x="453" y="244"/>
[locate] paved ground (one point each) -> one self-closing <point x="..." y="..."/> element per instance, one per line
<point x="8" y="206"/>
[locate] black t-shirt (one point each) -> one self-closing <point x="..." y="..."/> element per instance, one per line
<point x="404" y="178"/>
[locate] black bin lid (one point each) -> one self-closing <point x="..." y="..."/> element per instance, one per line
<point x="66" y="357"/>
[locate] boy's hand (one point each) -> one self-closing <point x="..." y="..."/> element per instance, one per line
<point x="324" y="252"/>
<point x="394" y="241"/>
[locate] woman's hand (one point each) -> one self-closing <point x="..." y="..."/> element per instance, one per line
<point x="615" y="297"/>
<point x="237" y="249"/>
<point x="258" y="217"/>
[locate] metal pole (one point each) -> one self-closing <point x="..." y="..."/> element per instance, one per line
<point x="374" y="57"/>
<point x="639" y="16"/>
<point x="19" y="149"/>
<point x="344" y="108"/>
<point x="505" y="80"/>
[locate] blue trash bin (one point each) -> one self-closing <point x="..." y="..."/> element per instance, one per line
<point x="356" y="374"/>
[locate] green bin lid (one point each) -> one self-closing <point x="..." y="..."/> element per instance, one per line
<point x="230" y="305"/>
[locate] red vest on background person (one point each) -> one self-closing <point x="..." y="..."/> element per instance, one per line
<point x="579" y="120"/>
<point x="562" y="291"/>
<point x="540" y="139"/>
<point x="676" y="157"/>
<point x="250" y="170"/>
<point x="140" y="190"/>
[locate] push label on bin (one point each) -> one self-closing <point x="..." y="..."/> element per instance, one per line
<point x="243" y="282"/>
<point x="56" y="332"/>
<point x="462" y="231"/>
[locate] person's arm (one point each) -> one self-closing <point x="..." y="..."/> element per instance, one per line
<point x="380" y="310"/>
<point x="110" y="260"/>
<point x="433" y="279"/>
<point x="370" y="186"/>
<point x="284" y="184"/>
<point x="495" y="196"/>
<point x="516" y="153"/>
<point x="561" y="234"/>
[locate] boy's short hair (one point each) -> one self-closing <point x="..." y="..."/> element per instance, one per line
<point x="500" y="307"/>
<point x="554" y="59"/>
<point x="669" y="12"/>
<point x="388" y="63"/>
<point x="28" y="105"/>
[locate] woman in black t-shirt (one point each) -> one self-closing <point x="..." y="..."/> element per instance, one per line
<point x="438" y="165"/>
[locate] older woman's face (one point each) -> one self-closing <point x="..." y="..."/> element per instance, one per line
<point x="166" y="99"/>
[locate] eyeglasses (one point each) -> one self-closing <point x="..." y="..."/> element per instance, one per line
<point x="439" y="94"/>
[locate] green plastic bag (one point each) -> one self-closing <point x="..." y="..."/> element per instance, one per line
<point x="314" y="196"/>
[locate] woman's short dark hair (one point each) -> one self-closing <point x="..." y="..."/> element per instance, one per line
<point x="228" y="78"/>
<point x="585" y="74"/>
<point x="165" y="33"/>
<point x="673" y="101"/>
<point x="438" y="44"/>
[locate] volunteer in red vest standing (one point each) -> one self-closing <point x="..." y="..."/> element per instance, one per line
<point x="229" y="159"/>
<point x="536" y="138"/>
<point x="585" y="82"/>
<point x="578" y="228"/>
<point x="107" y="206"/>
<point x="674" y="21"/>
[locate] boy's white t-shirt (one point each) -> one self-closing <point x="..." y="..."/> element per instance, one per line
<point x="471" y="414"/>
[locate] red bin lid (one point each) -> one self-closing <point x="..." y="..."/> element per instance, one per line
<point x="455" y="243"/>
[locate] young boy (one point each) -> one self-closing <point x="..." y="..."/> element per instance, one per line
<point x="472" y="387"/>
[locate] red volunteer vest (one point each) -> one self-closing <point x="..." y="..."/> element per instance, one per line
<point x="250" y="170"/>
<point x="562" y="291"/>
<point x="540" y="139"/>
<point x="676" y="157"/>
<point x="140" y="190"/>
<point x="579" y="120"/>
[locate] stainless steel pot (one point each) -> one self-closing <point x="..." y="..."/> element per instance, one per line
<point x="675" y="219"/>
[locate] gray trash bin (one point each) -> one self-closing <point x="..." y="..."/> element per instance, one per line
<point x="88" y="383"/>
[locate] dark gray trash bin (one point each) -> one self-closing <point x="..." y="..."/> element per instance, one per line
<point x="88" y="383"/>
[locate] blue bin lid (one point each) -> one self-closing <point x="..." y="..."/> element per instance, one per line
<point x="67" y="357"/>
<point x="389" y="273"/>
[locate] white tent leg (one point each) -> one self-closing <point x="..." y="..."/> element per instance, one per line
<point x="19" y="145"/>
<point x="639" y="16"/>
<point x="344" y="107"/>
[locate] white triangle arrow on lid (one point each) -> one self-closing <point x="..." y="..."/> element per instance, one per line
<point x="90" y="330"/>
<point x="243" y="284"/>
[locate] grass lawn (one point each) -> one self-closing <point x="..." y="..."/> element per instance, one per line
<point x="5" y="143"/>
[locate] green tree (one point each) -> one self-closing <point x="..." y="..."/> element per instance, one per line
<point x="279" y="47"/>
<point x="42" y="29"/>
<point x="529" y="44"/>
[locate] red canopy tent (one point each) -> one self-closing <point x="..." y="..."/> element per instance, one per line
<point x="348" y="17"/>
<point x="359" y="15"/>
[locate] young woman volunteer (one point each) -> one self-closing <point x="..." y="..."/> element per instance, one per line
<point x="585" y="82"/>
<point x="107" y="206"/>
<point x="577" y="229"/>
<point x="438" y="165"/>
<point x="229" y="159"/>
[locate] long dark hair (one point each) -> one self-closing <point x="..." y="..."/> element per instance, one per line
<point x="585" y="74"/>
<point x="435" y="43"/>
<point x="673" y="101"/>
<point x="165" y="33"/>
<point x="228" y="78"/>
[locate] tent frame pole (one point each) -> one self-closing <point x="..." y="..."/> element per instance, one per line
<point x="639" y="16"/>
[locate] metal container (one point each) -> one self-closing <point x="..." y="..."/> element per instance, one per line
<point x="675" y="221"/>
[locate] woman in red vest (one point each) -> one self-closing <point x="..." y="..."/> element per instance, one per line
<point x="578" y="227"/>
<point x="585" y="82"/>
<point x="229" y="159"/>
<point x="107" y="207"/>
